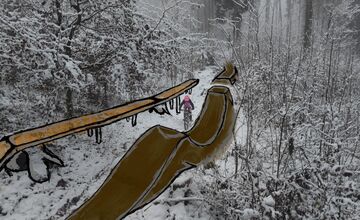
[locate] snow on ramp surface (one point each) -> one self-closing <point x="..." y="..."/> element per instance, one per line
<point x="87" y="164"/>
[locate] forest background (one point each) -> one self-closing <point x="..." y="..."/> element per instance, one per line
<point x="299" y="84"/>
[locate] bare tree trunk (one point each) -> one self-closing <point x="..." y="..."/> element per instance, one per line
<point x="308" y="24"/>
<point x="69" y="103"/>
<point x="105" y="100"/>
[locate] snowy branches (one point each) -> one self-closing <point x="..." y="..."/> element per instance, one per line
<point x="84" y="50"/>
<point x="298" y="156"/>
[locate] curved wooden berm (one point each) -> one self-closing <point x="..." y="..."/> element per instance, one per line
<point x="10" y="145"/>
<point x="160" y="155"/>
<point x="228" y="76"/>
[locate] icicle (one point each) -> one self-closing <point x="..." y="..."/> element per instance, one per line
<point x="171" y="103"/>
<point x="98" y="135"/>
<point x="177" y="105"/>
<point x="90" y="132"/>
<point x="190" y="91"/>
<point x="134" y="120"/>
<point x="127" y="119"/>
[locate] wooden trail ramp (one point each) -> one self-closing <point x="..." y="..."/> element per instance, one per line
<point x="10" y="145"/>
<point x="161" y="154"/>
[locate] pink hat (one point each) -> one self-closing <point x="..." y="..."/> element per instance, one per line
<point x="186" y="98"/>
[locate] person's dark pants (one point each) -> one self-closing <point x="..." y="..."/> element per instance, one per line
<point x="188" y="110"/>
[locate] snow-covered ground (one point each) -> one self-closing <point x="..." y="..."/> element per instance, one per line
<point x="87" y="164"/>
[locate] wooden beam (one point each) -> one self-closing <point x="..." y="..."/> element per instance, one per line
<point x="18" y="141"/>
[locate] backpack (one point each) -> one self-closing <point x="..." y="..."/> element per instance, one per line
<point x="187" y="105"/>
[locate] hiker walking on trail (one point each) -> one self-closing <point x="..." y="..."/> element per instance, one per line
<point x="188" y="107"/>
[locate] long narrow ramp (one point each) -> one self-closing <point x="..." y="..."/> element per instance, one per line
<point x="10" y="145"/>
<point x="160" y="155"/>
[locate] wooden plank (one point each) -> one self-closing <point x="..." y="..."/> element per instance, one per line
<point x="228" y="74"/>
<point x="4" y="147"/>
<point x="21" y="140"/>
